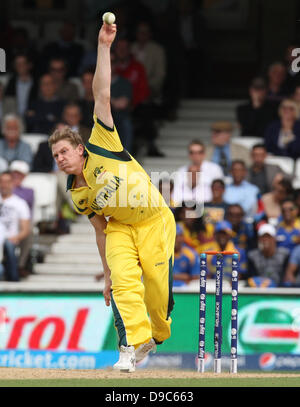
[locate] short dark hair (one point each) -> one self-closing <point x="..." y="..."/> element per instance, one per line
<point x="197" y="143"/>
<point x="259" y="145"/>
<point x="241" y="162"/>
<point x="286" y="183"/>
<point x="234" y="205"/>
<point x="218" y="181"/>
<point x="289" y="199"/>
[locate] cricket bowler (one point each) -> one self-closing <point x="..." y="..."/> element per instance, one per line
<point x="135" y="229"/>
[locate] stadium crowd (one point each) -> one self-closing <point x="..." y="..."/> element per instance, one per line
<point x="248" y="204"/>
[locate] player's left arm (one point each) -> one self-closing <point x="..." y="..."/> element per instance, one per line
<point x="102" y="77"/>
<point x="99" y="222"/>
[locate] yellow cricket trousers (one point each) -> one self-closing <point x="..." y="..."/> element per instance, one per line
<point x="140" y="258"/>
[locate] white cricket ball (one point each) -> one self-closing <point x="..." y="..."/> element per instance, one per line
<point x="109" y="18"/>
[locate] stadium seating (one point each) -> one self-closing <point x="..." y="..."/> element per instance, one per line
<point x="45" y="192"/>
<point x="34" y="140"/>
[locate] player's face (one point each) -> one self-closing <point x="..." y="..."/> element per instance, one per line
<point x="68" y="158"/>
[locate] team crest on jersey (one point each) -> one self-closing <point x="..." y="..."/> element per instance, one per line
<point x="82" y="201"/>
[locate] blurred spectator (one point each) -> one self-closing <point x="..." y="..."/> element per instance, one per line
<point x="22" y="44"/>
<point x="276" y="78"/>
<point x="7" y="105"/>
<point x="121" y="96"/>
<point x="165" y="187"/>
<point x="152" y="56"/>
<point x="296" y="96"/>
<point x="288" y="230"/>
<point x="292" y="275"/>
<point x="221" y="151"/>
<point x="86" y="103"/>
<point x="243" y="235"/>
<point x="214" y="211"/>
<point x="261" y="173"/>
<point x="12" y="147"/>
<point x="205" y="173"/>
<point x="281" y="190"/>
<point x="43" y="160"/>
<point x="15" y="216"/>
<point x="143" y="113"/>
<point x="186" y="261"/>
<point x="282" y="137"/>
<point x="267" y="264"/>
<point x="21" y="87"/>
<point x="64" y="88"/>
<point x="44" y="112"/>
<point x="19" y="171"/>
<point x="241" y="191"/>
<point x="223" y="241"/>
<point x="72" y="117"/>
<point x="66" y="47"/>
<point x="191" y="28"/>
<point x="197" y="234"/>
<point x="254" y="116"/>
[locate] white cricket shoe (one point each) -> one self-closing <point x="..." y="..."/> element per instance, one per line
<point x="126" y="362"/>
<point x="143" y="350"/>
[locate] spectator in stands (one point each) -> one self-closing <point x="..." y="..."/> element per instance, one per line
<point x="22" y="87"/>
<point x="276" y="78"/>
<point x="15" y="216"/>
<point x="292" y="275"/>
<point x="19" y="170"/>
<point x="206" y="172"/>
<point x="12" y="147"/>
<point x="241" y="191"/>
<point x="152" y="56"/>
<point x="214" y="211"/>
<point x="121" y="97"/>
<point x="72" y="117"/>
<point x="243" y="235"/>
<point x="186" y="261"/>
<point x="86" y="103"/>
<point x="267" y="263"/>
<point x="223" y="241"/>
<point x="197" y="234"/>
<point x="288" y="230"/>
<point x="143" y="114"/>
<point x="281" y="190"/>
<point x="254" y="116"/>
<point x="261" y="173"/>
<point x="44" y="112"/>
<point x="296" y="96"/>
<point x="221" y="151"/>
<point x="22" y="44"/>
<point x="66" y="47"/>
<point x="64" y="88"/>
<point x="282" y="137"/>
<point x="7" y="105"/>
<point x="166" y="187"/>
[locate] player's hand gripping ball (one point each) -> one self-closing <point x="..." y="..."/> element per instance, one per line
<point x="109" y="18"/>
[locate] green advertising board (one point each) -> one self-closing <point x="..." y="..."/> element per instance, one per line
<point x="267" y="323"/>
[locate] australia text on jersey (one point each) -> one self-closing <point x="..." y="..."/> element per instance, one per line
<point x="138" y="190"/>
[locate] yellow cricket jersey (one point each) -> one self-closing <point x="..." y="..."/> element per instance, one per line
<point x="117" y="185"/>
